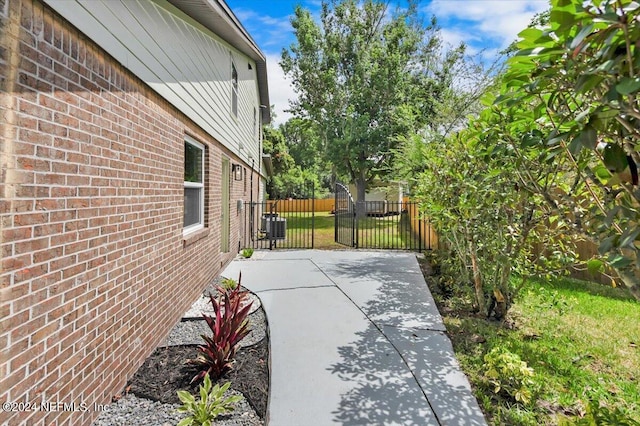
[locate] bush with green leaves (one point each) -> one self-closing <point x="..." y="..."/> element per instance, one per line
<point x="576" y="82"/>
<point x="490" y="224"/>
<point x="509" y="375"/>
<point x="212" y="403"/>
<point x="247" y="252"/>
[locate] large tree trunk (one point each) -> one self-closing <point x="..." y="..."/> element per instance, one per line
<point x="361" y="190"/>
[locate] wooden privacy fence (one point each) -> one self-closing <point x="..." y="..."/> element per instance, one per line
<point x="303" y="205"/>
<point x="426" y="233"/>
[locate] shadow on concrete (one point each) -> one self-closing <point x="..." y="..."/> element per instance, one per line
<point x="382" y="391"/>
<point x="404" y="347"/>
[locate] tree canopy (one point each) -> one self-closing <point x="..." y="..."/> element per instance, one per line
<point x="364" y="76"/>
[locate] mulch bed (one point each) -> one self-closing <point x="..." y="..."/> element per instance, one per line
<point x="165" y="372"/>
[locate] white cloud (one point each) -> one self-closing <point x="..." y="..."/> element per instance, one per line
<point x="268" y="30"/>
<point x="280" y="90"/>
<point x="500" y="20"/>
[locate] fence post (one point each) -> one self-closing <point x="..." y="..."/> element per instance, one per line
<point x="420" y="237"/>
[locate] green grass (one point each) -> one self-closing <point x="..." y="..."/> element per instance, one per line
<point x="323" y="222"/>
<point x="582" y="340"/>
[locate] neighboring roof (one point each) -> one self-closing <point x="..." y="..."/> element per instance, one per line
<point x="216" y="16"/>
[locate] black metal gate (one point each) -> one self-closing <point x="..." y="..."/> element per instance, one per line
<point x="284" y="224"/>
<point x="394" y="225"/>
<point x="345" y="217"/>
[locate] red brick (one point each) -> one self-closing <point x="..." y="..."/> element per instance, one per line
<point x="97" y="162"/>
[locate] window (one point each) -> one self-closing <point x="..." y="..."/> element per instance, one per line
<point x="193" y="185"/>
<point x="234" y="90"/>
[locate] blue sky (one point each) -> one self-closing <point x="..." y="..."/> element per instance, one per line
<point x="486" y="26"/>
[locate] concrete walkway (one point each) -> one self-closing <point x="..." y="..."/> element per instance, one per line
<point x="356" y="339"/>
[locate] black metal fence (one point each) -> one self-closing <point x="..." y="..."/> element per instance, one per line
<point x="287" y="224"/>
<point x="345" y="217"/>
<point x="388" y="225"/>
<point x="293" y="224"/>
<point x="380" y="224"/>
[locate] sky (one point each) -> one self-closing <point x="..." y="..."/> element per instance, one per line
<point x="486" y="26"/>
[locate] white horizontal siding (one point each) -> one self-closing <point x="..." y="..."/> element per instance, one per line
<point x="185" y="63"/>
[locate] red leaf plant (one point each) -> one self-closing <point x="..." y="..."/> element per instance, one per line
<point x="229" y="326"/>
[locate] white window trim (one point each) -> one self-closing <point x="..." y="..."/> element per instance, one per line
<point x="235" y="90"/>
<point x="197" y="226"/>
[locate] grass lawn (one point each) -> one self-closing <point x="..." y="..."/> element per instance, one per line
<point x="324" y="228"/>
<point x="581" y="339"/>
<point x="374" y="232"/>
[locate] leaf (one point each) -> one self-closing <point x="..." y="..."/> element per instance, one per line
<point x="602" y="173"/>
<point x="531" y="138"/>
<point x="594" y="266"/>
<point x="588" y="137"/>
<point x="615" y="159"/>
<point x="629" y="239"/>
<point x="587" y="82"/>
<point x="620" y="262"/>
<point x="628" y="85"/>
<point x="562" y="19"/>
<point x="556" y="138"/>
<point x="530" y="34"/>
<point x="606" y="245"/>
<point x="186" y="397"/>
<point x="575" y="146"/>
<point x="581" y="36"/>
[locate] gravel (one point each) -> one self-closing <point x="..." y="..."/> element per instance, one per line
<point x="133" y="411"/>
<point x="188" y="332"/>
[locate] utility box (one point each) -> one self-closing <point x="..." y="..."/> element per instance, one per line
<point x="275" y="227"/>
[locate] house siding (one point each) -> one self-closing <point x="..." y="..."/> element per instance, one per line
<point x="95" y="269"/>
<point x="184" y="62"/>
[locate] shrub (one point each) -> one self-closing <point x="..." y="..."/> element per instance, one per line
<point x="229" y="326"/>
<point x="597" y="415"/>
<point x="229" y="284"/>
<point x="509" y="375"/>
<point x="247" y="253"/>
<point x="211" y="404"/>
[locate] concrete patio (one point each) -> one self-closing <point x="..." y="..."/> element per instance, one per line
<point x="356" y="339"/>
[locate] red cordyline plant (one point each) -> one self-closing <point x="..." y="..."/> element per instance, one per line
<point x="229" y="326"/>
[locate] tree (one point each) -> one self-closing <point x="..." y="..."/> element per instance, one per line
<point x="289" y="180"/>
<point x="364" y="76"/>
<point x="579" y="77"/>
<point x="305" y="146"/>
<point x="469" y="187"/>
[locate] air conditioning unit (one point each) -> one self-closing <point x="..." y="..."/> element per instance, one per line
<point x="274" y="227"/>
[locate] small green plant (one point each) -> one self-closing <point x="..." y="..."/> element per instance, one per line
<point x="211" y="404"/>
<point x="599" y="415"/>
<point x="509" y="375"/>
<point x="247" y="253"/>
<point x="553" y="300"/>
<point x="229" y="284"/>
<point x="228" y="327"/>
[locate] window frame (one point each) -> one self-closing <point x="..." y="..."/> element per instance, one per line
<point x="234" y="89"/>
<point x="198" y="185"/>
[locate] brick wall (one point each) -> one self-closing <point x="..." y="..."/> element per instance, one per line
<point x="95" y="270"/>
